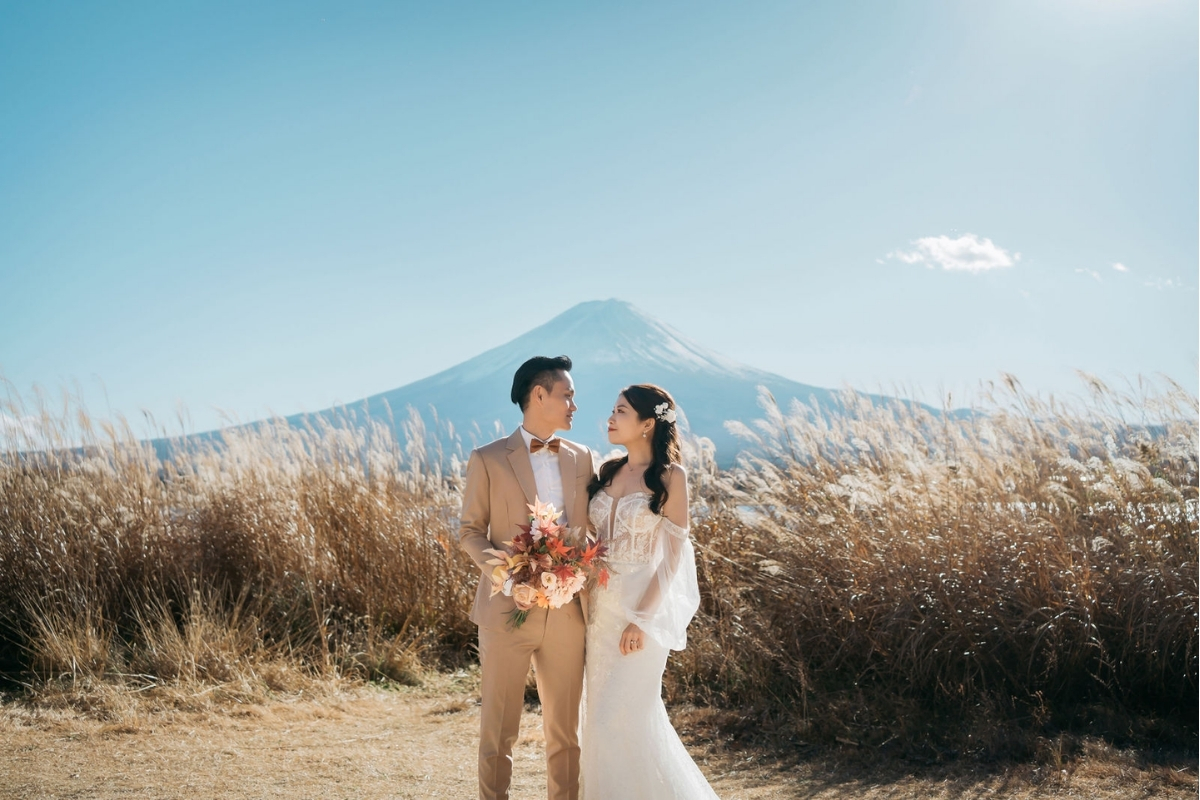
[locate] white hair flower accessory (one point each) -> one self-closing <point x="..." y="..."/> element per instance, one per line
<point x="664" y="412"/>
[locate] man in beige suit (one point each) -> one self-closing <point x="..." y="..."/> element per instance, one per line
<point x="503" y="478"/>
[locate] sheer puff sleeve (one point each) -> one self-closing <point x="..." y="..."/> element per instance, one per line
<point x="672" y="596"/>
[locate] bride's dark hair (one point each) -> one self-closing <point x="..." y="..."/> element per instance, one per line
<point x="664" y="444"/>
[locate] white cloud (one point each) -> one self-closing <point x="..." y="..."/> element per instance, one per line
<point x="1119" y="267"/>
<point x="967" y="253"/>
<point x="1091" y="273"/>
<point x="1160" y="284"/>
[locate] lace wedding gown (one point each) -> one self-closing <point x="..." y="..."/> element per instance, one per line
<point x="629" y="748"/>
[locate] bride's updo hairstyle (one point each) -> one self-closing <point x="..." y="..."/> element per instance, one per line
<point x="664" y="444"/>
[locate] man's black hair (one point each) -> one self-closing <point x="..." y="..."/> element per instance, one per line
<point x="537" y="371"/>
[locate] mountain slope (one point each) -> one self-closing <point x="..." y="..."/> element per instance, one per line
<point x="612" y="345"/>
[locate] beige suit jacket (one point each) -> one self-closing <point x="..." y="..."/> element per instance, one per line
<point x="500" y="487"/>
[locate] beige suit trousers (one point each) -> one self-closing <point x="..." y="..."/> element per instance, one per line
<point x="553" y="640"/>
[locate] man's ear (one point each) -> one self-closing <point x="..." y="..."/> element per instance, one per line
<point x="537" y="394"/>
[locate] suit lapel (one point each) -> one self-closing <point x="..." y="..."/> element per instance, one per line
<point x="518" y="459"/>
<point x="566" y="468"/>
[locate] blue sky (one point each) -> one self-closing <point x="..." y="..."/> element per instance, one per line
<point x="289" y="205"/>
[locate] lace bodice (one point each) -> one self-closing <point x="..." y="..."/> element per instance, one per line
<point x="628" y="526"/>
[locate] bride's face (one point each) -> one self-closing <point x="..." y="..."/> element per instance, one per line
<point x="624" y="425"/>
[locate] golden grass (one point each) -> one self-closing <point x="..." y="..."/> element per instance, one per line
<point x="1007" y="583"/>
<point x="902" y="577"/>
<point x="315" y="549"/>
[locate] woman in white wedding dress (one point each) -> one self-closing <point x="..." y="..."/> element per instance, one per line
<point x="638" y="506"/>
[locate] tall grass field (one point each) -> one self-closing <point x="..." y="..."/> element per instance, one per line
<point x="885" y="576"/>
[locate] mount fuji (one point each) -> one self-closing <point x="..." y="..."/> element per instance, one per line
<point x="612" y="344"/>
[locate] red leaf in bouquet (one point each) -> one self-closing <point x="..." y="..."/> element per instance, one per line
<point x="591" y="553"/>
<point x="556" y="547"/>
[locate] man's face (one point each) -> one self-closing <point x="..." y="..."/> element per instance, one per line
<point x="558" y="405"/>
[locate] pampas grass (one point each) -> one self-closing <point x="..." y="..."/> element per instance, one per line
<point x="883" y="574"/>
<point x="325" y="550"/>
<point x="889" y="573"/>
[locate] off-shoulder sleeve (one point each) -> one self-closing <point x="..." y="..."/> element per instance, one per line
<point x="673" y="593"/>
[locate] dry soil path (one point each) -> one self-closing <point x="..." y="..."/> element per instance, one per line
<point x="372" y="743"/>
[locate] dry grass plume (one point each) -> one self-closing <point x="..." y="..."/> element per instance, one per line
<point x="1014" y="581"/>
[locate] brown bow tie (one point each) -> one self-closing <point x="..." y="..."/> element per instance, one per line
<point x="538" y="444"/>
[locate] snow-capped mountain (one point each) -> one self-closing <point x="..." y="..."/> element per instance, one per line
<point x="612" y="344"/>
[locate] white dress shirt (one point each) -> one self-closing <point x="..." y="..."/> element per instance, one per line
<point x="546" y="475"/>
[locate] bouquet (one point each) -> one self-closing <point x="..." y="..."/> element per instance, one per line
<point x="540" y="567"/>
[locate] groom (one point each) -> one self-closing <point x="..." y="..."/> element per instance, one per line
<point x="503" y="478"/>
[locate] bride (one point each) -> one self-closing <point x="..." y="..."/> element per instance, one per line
<point x="638" y="506"/>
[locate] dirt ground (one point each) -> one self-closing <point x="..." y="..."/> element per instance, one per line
<point x="368" y="742"/>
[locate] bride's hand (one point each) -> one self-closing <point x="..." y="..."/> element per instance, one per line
<point x="632" y="640"/>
